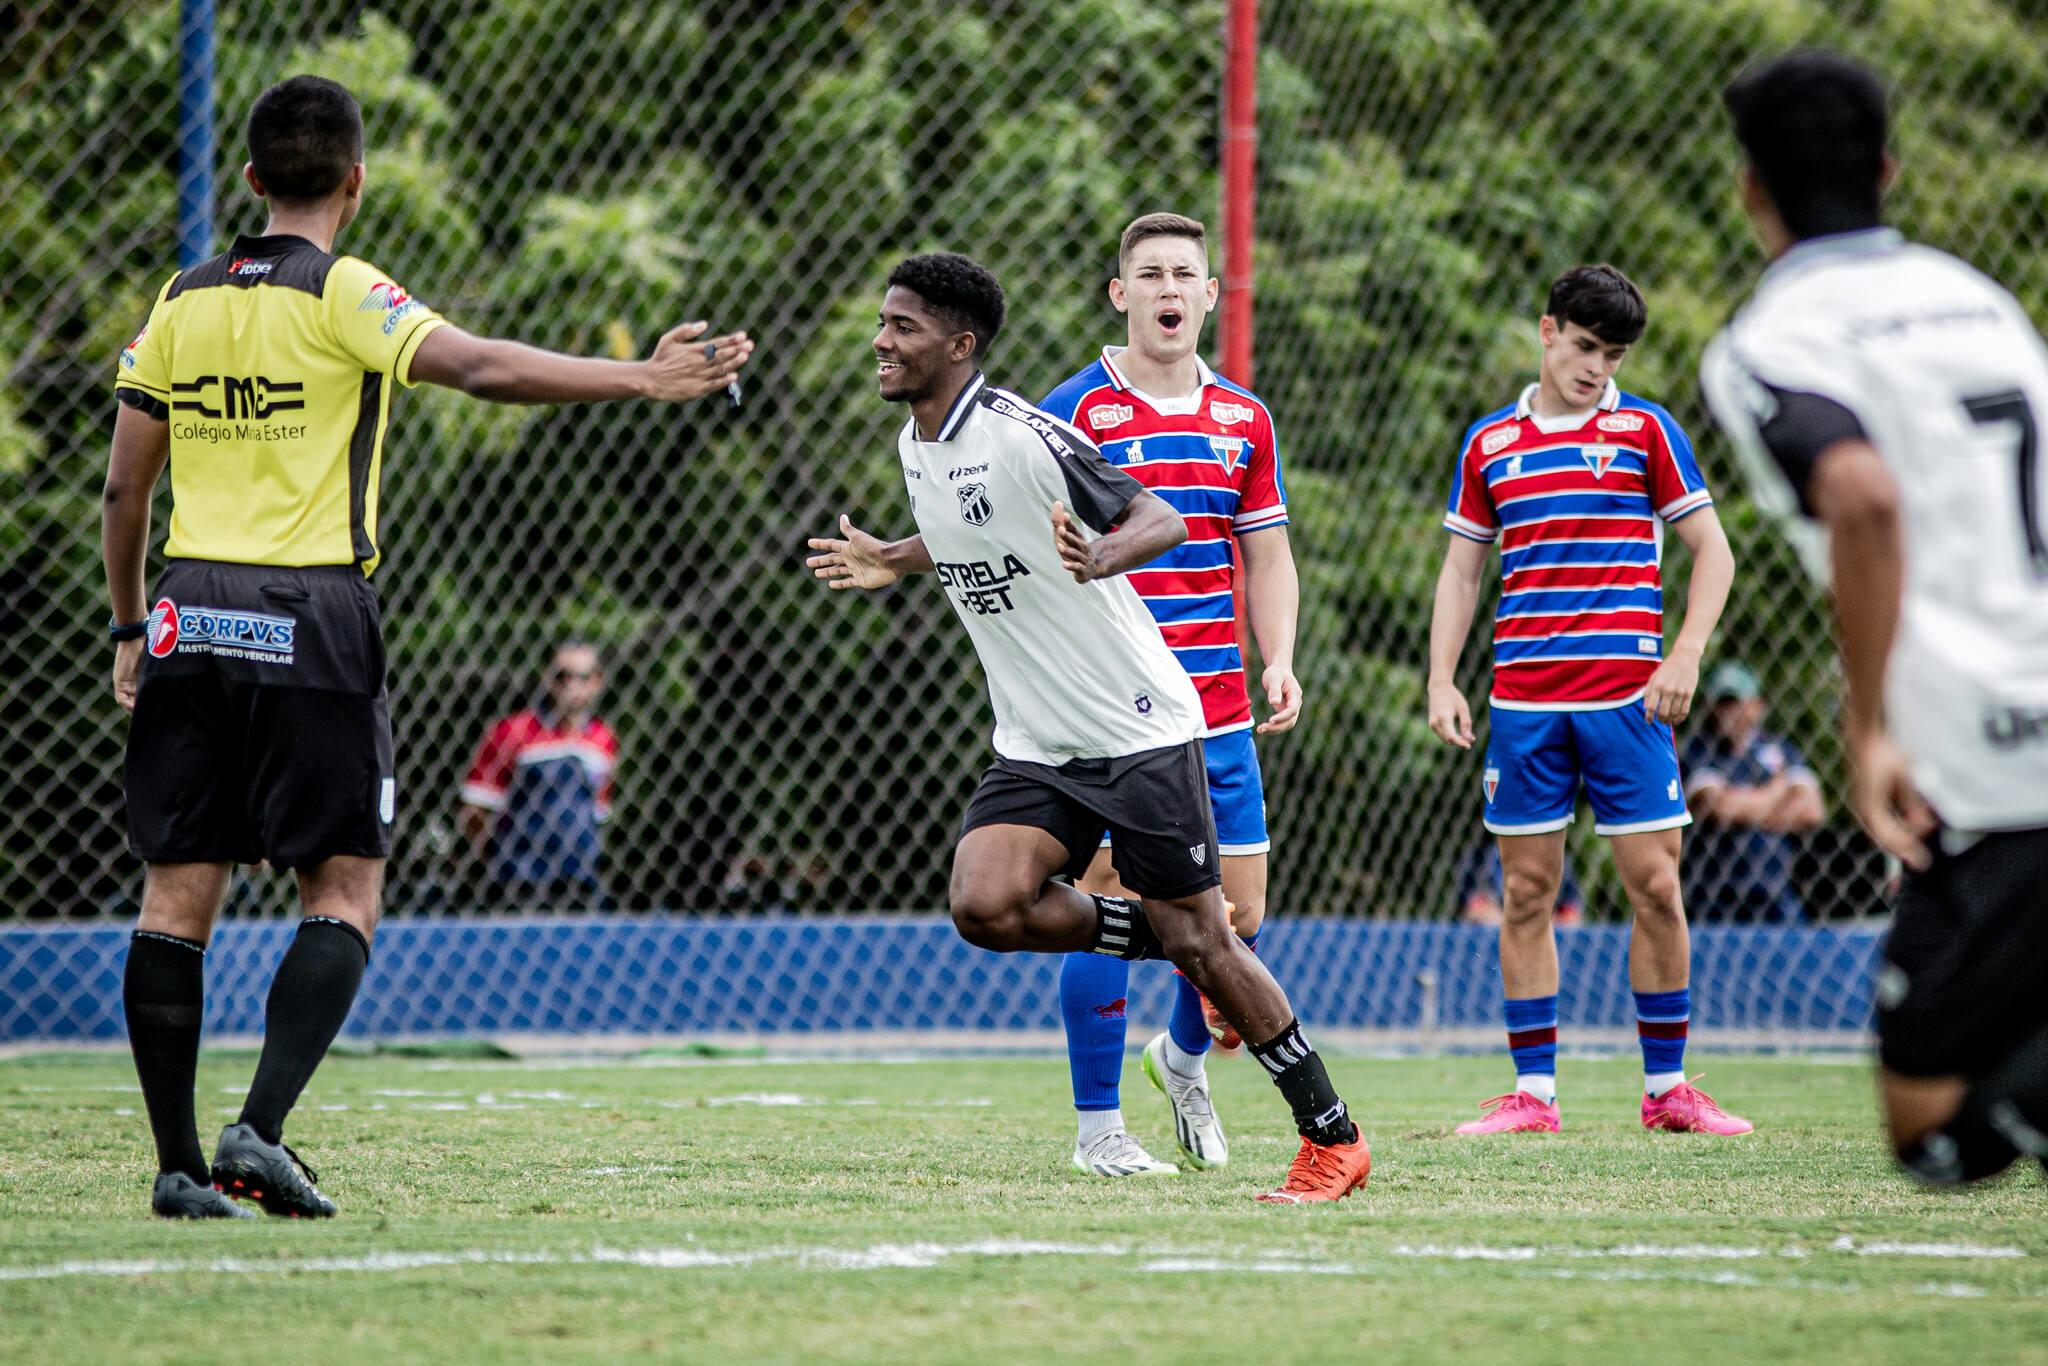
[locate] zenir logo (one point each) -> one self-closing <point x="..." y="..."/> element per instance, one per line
<point x="236" y="397"/>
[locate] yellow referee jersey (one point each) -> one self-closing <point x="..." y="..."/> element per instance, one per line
<point x="273" y="364"/>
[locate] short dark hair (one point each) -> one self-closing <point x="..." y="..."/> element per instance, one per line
<point x="1813" y="125"/>
<point x="304" y="135"/>
<point x="1600" y="299"/>
<point x="957" y="288"/>
<point x="1160" y="225"/>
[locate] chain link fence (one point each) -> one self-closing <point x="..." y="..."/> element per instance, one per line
<point x="584" y="175"/>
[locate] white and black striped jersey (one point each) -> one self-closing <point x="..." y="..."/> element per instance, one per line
<point x="1866" y="334"/>
<point x="1075" y="670"/>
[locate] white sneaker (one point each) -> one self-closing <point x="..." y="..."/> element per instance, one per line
<point x="1195" y="1125"/>
<point x="1116" y="1153"/>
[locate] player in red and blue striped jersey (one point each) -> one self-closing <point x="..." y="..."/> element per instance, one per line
<point x="1207" y="447"/>
<point x="1577" y="482"/>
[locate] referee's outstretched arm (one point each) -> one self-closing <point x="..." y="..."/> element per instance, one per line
<point x="681" y="368"/>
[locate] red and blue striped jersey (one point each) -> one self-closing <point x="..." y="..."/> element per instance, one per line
<point x="1578" y="505"/>
<point x="1214" y="456"/>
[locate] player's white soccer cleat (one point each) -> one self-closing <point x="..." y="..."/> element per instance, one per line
<point x="1195" y="1126"/>
<point x="1116" y="1153"/>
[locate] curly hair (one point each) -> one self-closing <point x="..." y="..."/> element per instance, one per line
<point x="957" y="288"/>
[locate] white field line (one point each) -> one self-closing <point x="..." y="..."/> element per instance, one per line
<point x="918" y="1255"/>
<point x="880" y="1256"/>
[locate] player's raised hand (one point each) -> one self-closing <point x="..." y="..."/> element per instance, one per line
<point x="1882" y="794"/>
<point x="1076" y="552"/>
<point x="854" y="560"/>
<point x="683" y="368"/>
<point x="1669" y="694"/>
<point x="1449" y="717"/>
<point x="1283" y="695"/>
<point x="127" y="665"/>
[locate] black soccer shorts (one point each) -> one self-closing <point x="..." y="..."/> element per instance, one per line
<point x="260" y="728"/>
<point x="1155" y="804"/>
<point x="1965" y="975"/>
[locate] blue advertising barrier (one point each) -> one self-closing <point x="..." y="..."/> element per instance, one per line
<point x="659" y="974"/>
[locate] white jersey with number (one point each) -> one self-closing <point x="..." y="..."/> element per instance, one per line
<point x="1075" y="670"/>
<point x="1948" y="379"/>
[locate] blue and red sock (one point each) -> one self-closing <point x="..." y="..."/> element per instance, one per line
<point x="1094" y="991"/>
<point x="1532" y="1042"/>
<point x="1662" y="1019"/>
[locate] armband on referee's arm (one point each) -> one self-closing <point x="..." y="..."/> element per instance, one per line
<point x="1800" y="431"/>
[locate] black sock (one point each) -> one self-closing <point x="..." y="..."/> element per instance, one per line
<point x="163" y="992"/>
<point x="2004" y="1114"/>
<point x="1122" y="931"/>
<point x="1297" y="1069"/>
<point x="309" y="998"/>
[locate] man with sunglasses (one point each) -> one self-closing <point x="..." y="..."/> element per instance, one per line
<point x="540" y="789"/>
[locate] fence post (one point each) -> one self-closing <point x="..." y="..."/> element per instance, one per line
<point x="195" y="132"/>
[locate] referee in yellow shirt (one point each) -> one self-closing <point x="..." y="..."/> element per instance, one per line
<point x="255" y="674"/>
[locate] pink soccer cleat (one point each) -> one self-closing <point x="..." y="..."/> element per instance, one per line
<point x="1685" y="1109"/>
<point x="1517" y="1112"/>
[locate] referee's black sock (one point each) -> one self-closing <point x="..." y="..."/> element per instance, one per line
<point x="1122" y="931"/>
<point x="309" y="998"/>
<point x="1297" y="1069"/>
<point x="2004" y="1114"/>
<point x="163" y="993"/>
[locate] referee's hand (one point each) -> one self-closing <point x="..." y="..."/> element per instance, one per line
<point x="683" y="368"/>
<point x="127" y="665"/>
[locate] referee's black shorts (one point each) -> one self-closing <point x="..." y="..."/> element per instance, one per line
<point x="260" y="729"/>
<point x="1155" y="805"/>
<point x="1965" y="975"/>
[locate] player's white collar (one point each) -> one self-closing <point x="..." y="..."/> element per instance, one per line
<point x="1836" y="246"/>
<point x="1204" y="375"/>
<point x="963" y="404"/>
<point x="1525" y="406"/>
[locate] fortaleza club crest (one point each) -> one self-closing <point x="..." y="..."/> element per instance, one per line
<point x="1228" y="449"/>
<point x="974" y="504"/>
<point x="1492" y="782"/>
<point x="1598" y="458"/>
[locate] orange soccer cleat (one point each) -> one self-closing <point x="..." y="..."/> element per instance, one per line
<point x="1221" y="1030"/>
<point x="1323" y="1172"/>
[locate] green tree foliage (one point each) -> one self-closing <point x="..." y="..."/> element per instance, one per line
<point x="585" y="175"/>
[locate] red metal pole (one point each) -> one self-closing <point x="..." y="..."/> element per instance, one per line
<point x="1240" y="153"/>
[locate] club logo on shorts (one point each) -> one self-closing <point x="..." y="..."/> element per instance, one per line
<point x="1671" y="790"/>
<point x="163" y="628"/>
<point x="1598" y="458"/>
<point x="1199" y="853"/>
<point x="1492" y="782"/>
<point x="974" y="504"/>
<point x="387" y="799"/>
<point x="1493" y="442"/>
<point x="1143" y="702"/>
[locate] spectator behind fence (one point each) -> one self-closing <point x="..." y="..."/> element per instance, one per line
<point x="1750" y="791"/>
<point x="1479" y="888"/>
<point x="540" y="788"/>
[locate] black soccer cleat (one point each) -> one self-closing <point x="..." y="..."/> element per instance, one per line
<point x="269" y="1173"/>
<point x="178" y="1196"/>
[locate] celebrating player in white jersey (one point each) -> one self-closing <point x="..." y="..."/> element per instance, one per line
<point x="1893" y="394"/>
<point x="1207" y="447"/>
<point x="1030" y="532"/>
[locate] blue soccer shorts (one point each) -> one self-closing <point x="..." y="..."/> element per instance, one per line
<point x="1237" y="794"/>
<point x="1537" y="760"/>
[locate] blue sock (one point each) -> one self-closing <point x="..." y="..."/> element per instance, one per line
<point x="1532" y="1035"/>
<point x="1093" y="992"/>
<point x="1188" y="1025"/>
<point x="1662" y="1018"/>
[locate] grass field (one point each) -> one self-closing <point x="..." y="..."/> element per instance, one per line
<point x="923" y="1210"/>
